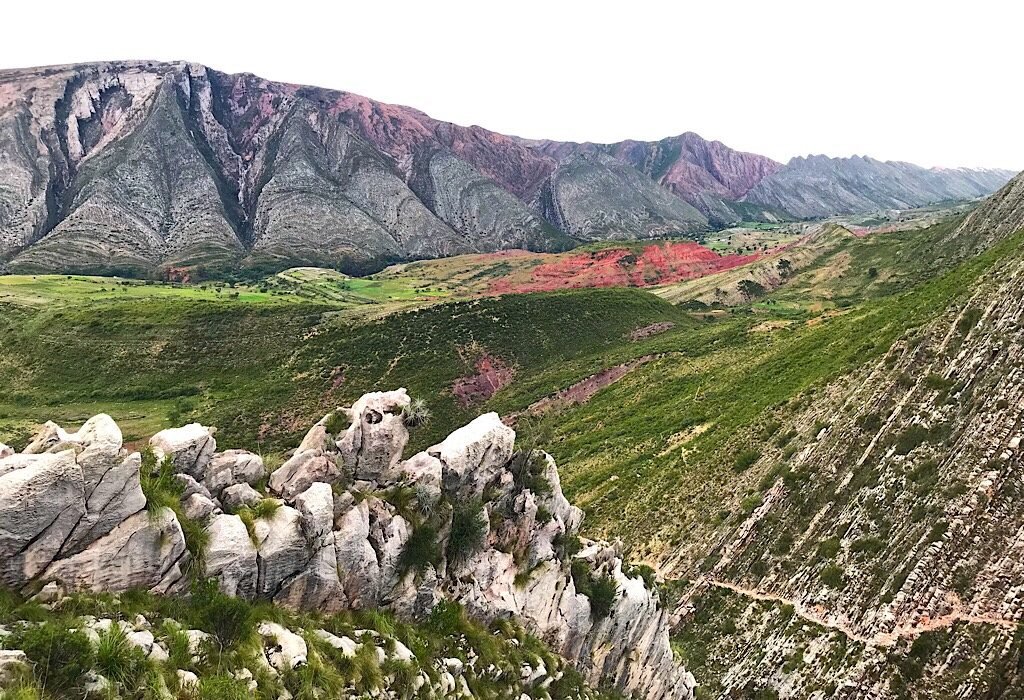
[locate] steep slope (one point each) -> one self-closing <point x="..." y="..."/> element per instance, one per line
<point x="818" y="186"/>
<point x="134" y="166"/>
<point x="595" y="197"/>
<point x="146" y="167"/>
<point x="706" y="174"/>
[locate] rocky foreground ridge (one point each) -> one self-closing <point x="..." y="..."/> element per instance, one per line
<point x="344" y="523"/>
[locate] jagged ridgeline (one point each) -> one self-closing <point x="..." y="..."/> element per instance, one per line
<point x="341" y="530"/>
<point x="174" y="169"/>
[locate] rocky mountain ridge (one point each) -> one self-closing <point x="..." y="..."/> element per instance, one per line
<point x="346" y="523"/>
<point x="129" y="166"/>
<point x="818" y="186"/>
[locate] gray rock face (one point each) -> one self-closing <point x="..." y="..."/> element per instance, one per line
<point x="234" y="497"/>
<point x="374" y="441"/>
<point x="302" y="470"/>
<point x="595" y="197"/>
<point x="43" y="498"/>
<point x="283" y="550"/>
<point x="231" y="556"/>
<point x="818" y="186"/>
<point x="474" y="454"/>
<point x="145" y="551"/>
<point x="233" y="467"/>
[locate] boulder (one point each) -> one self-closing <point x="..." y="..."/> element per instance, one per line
<point x="113" y="492"/>
<point x="373" y="443"/>
<point x="474" y="454"/>
<point x="190" y="486"/>
<point x="233" y="467"/>
<point x="145" y="551"/>
<point x="284" y="649"/>
<point x="238" y="495"/>
<point x="317" y="586"/>
<point x="42" y="498"/>
<point x="423" y="472"/>
<point x="283" y="550"/>
<point x="302" y="470"/>
<point x="346" y="646"/>
<point x="190" y="448"/>
<point x="198" y="507"/>
<point x="389" y="534"/>
<point x="316" y="506"/>
<point x="12" y="662"/>
<point x="231" y="556"/>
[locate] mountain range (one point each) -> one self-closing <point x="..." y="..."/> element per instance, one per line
<point x="137" y="166"/>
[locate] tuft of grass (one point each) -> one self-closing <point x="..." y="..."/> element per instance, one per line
<point x="416" y="414"/>
<point x="122" y="662"/>
<point x="422" y="549"/>
<point x="469" y="527"/>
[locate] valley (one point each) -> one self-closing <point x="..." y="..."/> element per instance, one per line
<point x="786" y="397"/>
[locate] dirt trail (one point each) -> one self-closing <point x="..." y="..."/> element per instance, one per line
<point x="819" y="616"/>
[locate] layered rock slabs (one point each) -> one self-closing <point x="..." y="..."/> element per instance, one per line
<point x="344" y="522"/>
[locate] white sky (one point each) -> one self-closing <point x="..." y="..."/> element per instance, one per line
<point x="936" y="83"/>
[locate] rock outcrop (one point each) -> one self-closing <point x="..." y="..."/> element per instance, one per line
<point x="347" y="523"/>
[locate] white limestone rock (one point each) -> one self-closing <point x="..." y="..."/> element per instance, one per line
<point x="373" y="443"/>
<point x="238" y="495"/>
<point x="283" y="550"/>
<point x="42" y="498"/>
<point x="284" y="649"/>
<point x="472" y="456"/>
<point x="357" y="563"/>
<point x="145" y="551"/>
<point x="231" y="556"/>
<point x="233" y="467"/>
<point x="302" y="470"/>
<point x="190" y="448"/>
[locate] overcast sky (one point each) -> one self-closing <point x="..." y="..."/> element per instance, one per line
<point x="936" y="83"/>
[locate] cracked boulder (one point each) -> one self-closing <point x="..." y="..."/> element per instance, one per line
<point x="42" y="499"/>
<point x="146" y="551"/>
<point x="231" y="556"/>
<point x="282" y="547"/>
<point x="372" y="445"/>
<point x="233" y="467"/>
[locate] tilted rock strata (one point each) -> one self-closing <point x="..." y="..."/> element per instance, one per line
<point x="338" y="529"/>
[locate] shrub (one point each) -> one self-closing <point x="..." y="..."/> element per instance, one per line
<point x="828" y="548"/>
<point x="222" y="687"/>
<point x="910" y="438"/>
<point x="870" y="422"/>
<point x="421" y="550"/>
<point x="603" y="590"/>
<point x="61" y="657"/>
<point x="229" y="619"/>
<point x="336" y="422"/>
<point x="832" y="576"/>
<point x="745" y="460"/>
<point x="868" y="545"/>
<point x="469" y="527"/>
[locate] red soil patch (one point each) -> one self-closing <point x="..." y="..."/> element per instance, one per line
<point x="582" y="391"/>
<point x="491" y="375"/>
<point x="620" y="267"/>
